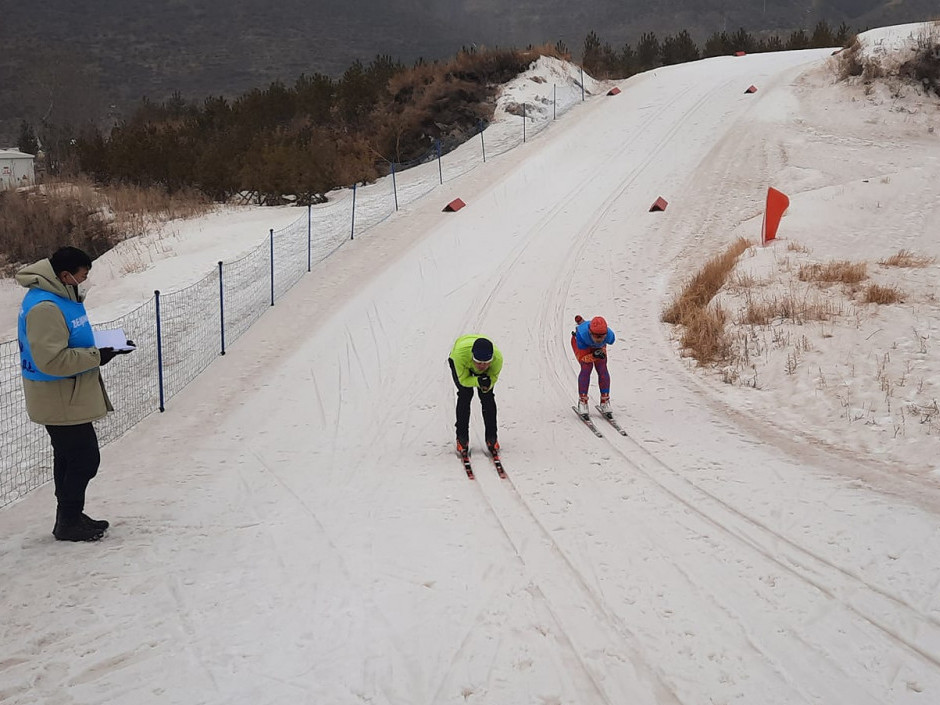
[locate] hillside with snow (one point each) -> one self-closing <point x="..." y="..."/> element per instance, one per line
<point x="296" y="528"/>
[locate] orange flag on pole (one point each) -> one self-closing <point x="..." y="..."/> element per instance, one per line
<point x="777" y="203"/>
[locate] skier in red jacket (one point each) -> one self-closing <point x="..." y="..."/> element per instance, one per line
<point x="589" y="342"/>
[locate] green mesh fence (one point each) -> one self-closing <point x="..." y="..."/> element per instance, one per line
<point x="197" y="321"/>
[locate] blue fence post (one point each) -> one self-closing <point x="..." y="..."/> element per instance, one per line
<point x="156" y="295"/>
<point x="221" y="309"/>
<point x="309" y="236"/>
<point x="482" y="143"/>
<point x="440" y="170"/>
<point x="272" y="265"/>
<point x="523" y="122"/>
<point x="394" y="186"/>
<point x="582" y="84"/>
<point x="352" y="228"/>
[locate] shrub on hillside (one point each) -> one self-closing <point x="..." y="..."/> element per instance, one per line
<point x="851" y="62"/>
<point x="446" y="101"/>
<point x="34" y="224"/>
<point x="924" y="67"/>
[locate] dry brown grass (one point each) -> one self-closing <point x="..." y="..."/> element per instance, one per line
<point x="37" y="221"/>
<point x="922" y="69"/>
<point x="843" y="272"/>
<point x="136" y="210"/>
<point x="761" y="312"/>
<point x="33" y="225"/>
<point x="704" y="336"/>
<point x="851" y="63"/>
<point x="877" y="294"/>
<point x="906" y="258"/>
<point x="701" y="289"/>
<point x="742" y="282"/>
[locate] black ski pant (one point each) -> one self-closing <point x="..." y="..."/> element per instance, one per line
<point x="464" y="396"/>
<point x="75" y="461"/>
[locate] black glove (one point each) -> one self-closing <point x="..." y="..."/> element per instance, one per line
<point x="124" y="352"/>
<point x="107" y="354"/>
<point x="485" y="383"/>
<point x="600" y="353"/>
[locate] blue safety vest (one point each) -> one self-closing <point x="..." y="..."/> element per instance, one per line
<point x="81" y="334"/>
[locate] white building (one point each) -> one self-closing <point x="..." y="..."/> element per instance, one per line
<point x="16" y="168"/>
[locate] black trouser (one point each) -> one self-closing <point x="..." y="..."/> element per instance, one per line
<point x="487" y="401"/>
<point x="75" y="461"/>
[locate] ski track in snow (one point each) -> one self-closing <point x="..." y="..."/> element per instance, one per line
<point x="296" y="528"/>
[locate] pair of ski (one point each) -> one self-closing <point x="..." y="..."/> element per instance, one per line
<point x="608" y="416"/>
<point x="497" y="463"/>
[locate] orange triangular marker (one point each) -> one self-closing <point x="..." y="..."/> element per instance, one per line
<point x="659" y="204"/>
<point x="453" y="206"/>
<point x="739" y="53"/>
<point x="777" y="203"/>
<point x="751" y="89"/>
<point x="613" y="91"/>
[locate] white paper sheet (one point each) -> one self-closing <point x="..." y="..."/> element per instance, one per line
<point x="112" y="338"/>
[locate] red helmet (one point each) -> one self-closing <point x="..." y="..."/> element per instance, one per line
<point x="598" y="326"/>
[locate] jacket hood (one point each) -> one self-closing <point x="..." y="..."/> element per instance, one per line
<point x="41" y="276"/>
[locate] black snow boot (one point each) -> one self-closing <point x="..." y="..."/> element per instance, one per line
<point x="100" y="524"/>
<point x="72" y="527"/>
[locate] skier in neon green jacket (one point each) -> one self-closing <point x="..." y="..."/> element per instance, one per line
<point x="475" y="362"/>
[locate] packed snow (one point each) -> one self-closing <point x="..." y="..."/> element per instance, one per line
<point x="296" y="528"/>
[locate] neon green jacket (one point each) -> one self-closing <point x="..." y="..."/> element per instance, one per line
<point x="462" y="355"/>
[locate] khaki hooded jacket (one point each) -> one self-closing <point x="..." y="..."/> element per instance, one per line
<point x="81" y="396"/>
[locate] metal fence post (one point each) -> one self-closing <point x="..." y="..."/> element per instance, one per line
<point x="221" y="310"/>
<point x="272" y="265"/>
<point x="582" y="84"/>
<point x="554" y="101"/>
<point x="309" y="236"/>
<point x="394" y="186"/>
<point x="352" y="228"/>
<point x="482" y="143"/>
<point x="523" y="123"/>
<point x="440" y="170"/>
<point x="156" y="295"/>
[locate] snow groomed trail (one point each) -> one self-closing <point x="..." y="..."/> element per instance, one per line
<point x="298" y="529"/>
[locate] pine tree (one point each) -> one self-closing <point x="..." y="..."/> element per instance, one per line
<point x="628" y="61"/>
<point x="27" y="141"/>
<point x="798" y="40"/>
<point x="842" y="35"/>
<point x="743" y="41"/>
<point x="679" y="49"/>
<point x="822" y="35"/>
<point x="717" y="45"/>
<point x="648" y="52"/>
<point x="591" y="56"/>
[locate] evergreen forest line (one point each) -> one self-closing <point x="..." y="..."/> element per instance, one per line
<point x="323" y="133"/>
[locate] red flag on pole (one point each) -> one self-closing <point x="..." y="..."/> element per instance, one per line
<point x="777" y="203"/>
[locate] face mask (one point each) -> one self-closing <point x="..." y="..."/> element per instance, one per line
<point x="81" y="289"/>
